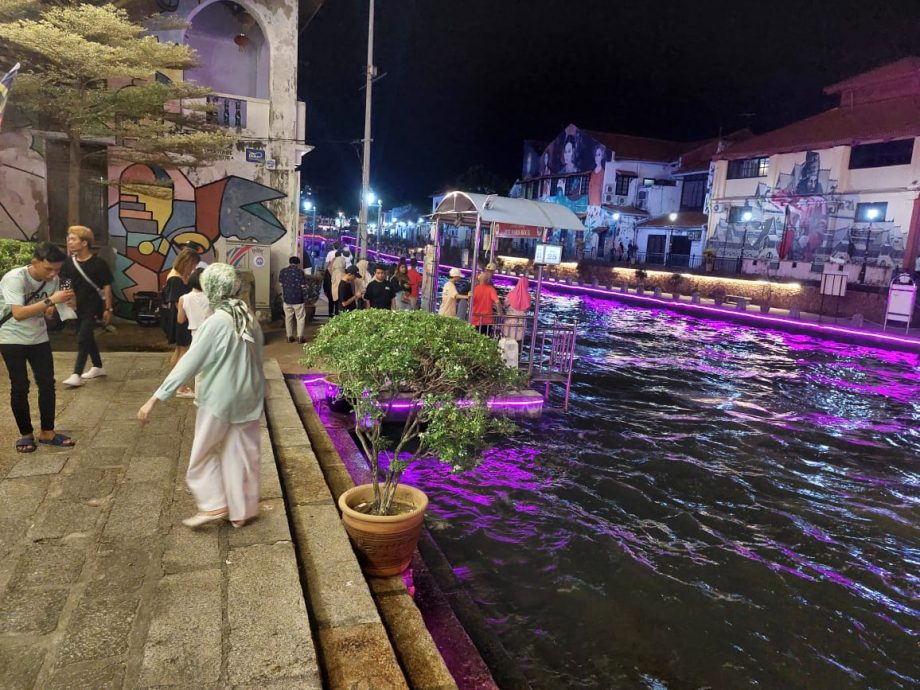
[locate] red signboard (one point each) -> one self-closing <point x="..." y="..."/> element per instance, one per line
<point x="515" y="230"/>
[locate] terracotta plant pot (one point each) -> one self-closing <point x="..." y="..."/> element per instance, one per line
<point x="384" y="543"/>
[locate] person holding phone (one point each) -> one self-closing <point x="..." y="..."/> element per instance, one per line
<point x="27" y="297"/>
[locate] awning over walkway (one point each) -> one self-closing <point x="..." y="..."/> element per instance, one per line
<point x="463" y="207"/>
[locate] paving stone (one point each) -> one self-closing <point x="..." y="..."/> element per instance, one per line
<point x="339" y="595"/>
<point x="20" y="662"/>
<point x="360" y="657"/>
<point x="183" y="645"/>
<point x="12" y="530"/>
<point x="271" y="526"/>
<point x="32" y="466"/>
<point x="102" y="458"/>
<point x="116" y="435"/>
<point x="191" y="549"/>
<point x="418" y="654"/>
<point x="136" y="512"/>
<point x="87" y="484"/>
<point x="303" y="477"/>
<point x="269" y="630"/>
<point x="31" y="610"/>
<point x="100" y="627"/>
<point x="82" y="414"/>
<point x="21" y="497"/>
<point x="120" y="568"/>
<point x="48" y="565"/>
<point x="61" y="518"/>
<point x="150" y="468"/>
<point x="107" y="674"/>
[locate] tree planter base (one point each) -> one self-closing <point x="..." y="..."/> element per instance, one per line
<point x="384" y="543"/>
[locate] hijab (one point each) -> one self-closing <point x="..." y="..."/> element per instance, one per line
<point x="221" y="284"/>
<point x="519" y="297"/>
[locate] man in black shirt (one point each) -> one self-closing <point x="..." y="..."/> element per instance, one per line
<point x="91" y="280"/>
<point x="348" y="300"/>
<point x="379" y="293"/>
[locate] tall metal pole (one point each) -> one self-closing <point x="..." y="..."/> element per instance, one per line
<point x="474" y="263"/>
<point x="366" y="160"/>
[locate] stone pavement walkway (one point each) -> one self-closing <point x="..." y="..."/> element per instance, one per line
<point x="101" y="586"/>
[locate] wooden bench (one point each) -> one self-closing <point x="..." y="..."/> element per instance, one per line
<point x="733" y="299"/>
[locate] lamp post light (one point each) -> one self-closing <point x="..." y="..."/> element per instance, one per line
<point x="379" y="227"/>
<point x="745" y="218"/>
<point x="871" y="214"/>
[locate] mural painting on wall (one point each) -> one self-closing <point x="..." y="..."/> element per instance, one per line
<point x="573" y="167"/>
<point x="23" y="209"/>
<point x="153" y="211"/>
<point x="804" y="219"/>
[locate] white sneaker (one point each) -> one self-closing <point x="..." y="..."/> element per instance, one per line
<point x="74" y="381"/>
<point x="94" y="373"/>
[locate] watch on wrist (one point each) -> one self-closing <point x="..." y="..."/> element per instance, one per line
<point x="48" y="302"/>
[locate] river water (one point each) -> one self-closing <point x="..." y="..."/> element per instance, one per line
<point x="721" y="507"/>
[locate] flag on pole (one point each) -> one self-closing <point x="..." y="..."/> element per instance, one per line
<point x="6" y="83"/>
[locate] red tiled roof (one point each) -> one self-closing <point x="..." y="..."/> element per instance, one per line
<point x="896" y="118"/>
<point x="626" y="147"/>
<point x="625" y="210"/>
<point x="698" y="159"/>
<point x="685" y="219"/>
<point x="905" y="67"/>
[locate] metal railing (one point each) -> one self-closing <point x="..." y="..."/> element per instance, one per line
<point x="547" y="355"/>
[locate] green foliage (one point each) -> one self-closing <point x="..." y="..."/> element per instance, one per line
<point x="14" y="253"/>
<point x="674" y="280"/>
<point x="641" y="275"/>
<point x="89" y="71"/>
<point x="709" y="253"/>
<point x="444" y="366"/>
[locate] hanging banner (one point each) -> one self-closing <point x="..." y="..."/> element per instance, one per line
<point x="515" y="230"/>
<point x="6" y="83"/>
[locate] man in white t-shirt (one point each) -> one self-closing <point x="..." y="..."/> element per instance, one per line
<point x="450" y="296"/>
<point x="27" y="296"/>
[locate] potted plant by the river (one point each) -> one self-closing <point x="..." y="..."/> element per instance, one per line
<point x="709" y="260"/>
<point x="440" y="373"/>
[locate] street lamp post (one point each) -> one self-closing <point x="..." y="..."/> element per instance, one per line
<point x="745" y="218"/>
<point x="379" y="227"/>
<point x="366" y="159"/>
<point x="871" y="214"/>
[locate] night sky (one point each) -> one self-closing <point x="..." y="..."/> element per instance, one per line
<point x="467" y="81"/>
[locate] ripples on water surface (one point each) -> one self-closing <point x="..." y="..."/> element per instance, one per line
<point x="721" y="506"/>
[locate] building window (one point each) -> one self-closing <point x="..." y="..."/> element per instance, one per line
<point x="882" y="155"/>
<point x="693" y="192"/>
<point x="736" y="214"/>
<point x="749" y="167"/>
<point x="623" y="185"/>
<point x="871" y="212"/>
<point x="648" y="182"/>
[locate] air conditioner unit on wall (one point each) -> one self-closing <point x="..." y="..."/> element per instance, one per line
<point x="608" y="198"/>
<point x="621" y="200"/>
<point x="608" y="189"/>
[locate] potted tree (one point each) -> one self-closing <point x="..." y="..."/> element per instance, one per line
<point x="709" y="259"/>
<point x="641" y="275"/>
<point x="440" y="371"/>
<point x="718" y="295"/>
<point x="674" y="281"/>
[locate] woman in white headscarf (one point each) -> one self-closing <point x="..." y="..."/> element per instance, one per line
<point x="223" y="470"/>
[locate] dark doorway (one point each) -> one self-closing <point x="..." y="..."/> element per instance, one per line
<point x="680" y="250"/>
<point x="654" y="249"/>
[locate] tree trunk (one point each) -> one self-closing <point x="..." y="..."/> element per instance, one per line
<point x="73" y="182"/>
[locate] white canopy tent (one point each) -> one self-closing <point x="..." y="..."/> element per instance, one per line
<point x="470" y="208"/>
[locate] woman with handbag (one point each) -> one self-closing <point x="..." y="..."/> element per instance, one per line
<point x="91" y="280"/>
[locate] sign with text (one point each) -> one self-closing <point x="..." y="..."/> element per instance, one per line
<point x="519" y="231"/>
<point x="255" y="155"/>
<point x="548" y="254"/>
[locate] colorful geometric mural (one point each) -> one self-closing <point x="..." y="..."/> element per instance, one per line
<point x="804" y="219"/>
<point x="154" y="211"/>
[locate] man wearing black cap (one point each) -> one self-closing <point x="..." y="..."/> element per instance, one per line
<point x="348" y="297"/>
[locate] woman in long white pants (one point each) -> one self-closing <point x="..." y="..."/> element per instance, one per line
<point x="223" y="471"/>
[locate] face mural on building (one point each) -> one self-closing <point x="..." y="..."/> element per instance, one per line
<point x="803" y="219"/>
<point x="153" y="211"/>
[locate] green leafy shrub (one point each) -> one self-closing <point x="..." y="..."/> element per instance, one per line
<point x="442" y="365"/>
<point x="14" y="253"/>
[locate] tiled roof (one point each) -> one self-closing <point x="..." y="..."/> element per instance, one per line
<point x="697" y="159"/>
<point x="625" y="210"/>
<point x="905" y="67"/>
<point x="896" y="118"/>
<point x="626" y="147"/>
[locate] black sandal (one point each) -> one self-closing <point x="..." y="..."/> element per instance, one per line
<point x="25" y="445"/>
